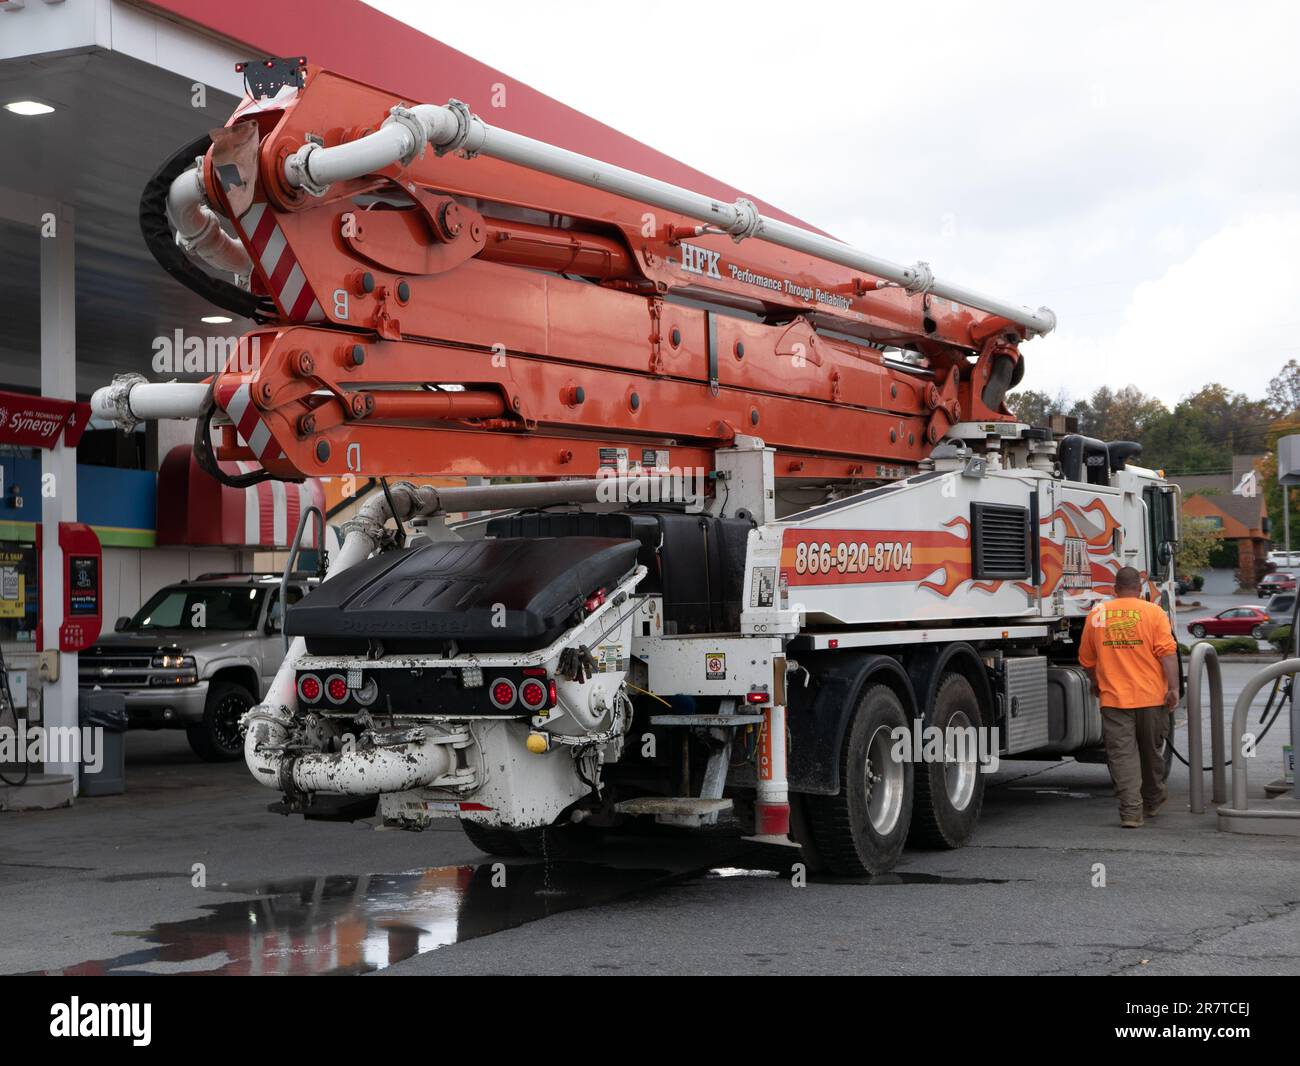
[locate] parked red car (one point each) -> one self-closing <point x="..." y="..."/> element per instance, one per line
<point x="1234" y="622"/>
<point x="1273" y="583"/>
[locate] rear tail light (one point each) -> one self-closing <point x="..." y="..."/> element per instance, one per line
<point x="595" y="600"/>
<point x="757" y="697"/>
<point x="309" y="688"/>
<point x="502" y="693"/>
<point x="336" y="688"/>
<point x="533" y="694"/>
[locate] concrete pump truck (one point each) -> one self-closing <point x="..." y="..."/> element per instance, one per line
<point x="761" y="510"/>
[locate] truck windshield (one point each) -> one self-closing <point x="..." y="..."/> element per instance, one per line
<point x="184" y="607"/>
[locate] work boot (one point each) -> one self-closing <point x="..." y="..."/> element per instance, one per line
<point x="1150" y="810"/>
<point x="1130" y="821"/>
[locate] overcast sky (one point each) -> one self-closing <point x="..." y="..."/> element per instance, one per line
<point x="1134" y="166"/>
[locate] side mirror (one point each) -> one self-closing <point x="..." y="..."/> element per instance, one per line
<point x="121" y="623"/>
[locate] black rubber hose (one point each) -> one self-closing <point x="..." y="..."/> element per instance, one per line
<point x="162" y="244"/>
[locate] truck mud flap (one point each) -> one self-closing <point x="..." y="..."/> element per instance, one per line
<point x="323" y="807"/>
<point x="819" y="713"/>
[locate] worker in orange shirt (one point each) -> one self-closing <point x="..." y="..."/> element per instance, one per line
<point x="1130" y="653"/>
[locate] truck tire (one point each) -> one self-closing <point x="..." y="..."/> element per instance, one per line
<point x="216" y="738"/>
<point x="949" y="795"/>
<point x="861" y="830"/>
<point x="493" y="839"/>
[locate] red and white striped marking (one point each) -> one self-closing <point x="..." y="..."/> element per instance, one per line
<point x="280" y="267"/>
<point x="236" y="399"/>
<point x="272" y="509"/>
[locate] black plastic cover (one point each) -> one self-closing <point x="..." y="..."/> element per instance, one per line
<point x="513" y="593"/>
<point x="697" y="562"/>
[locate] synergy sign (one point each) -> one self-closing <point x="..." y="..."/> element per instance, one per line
<point x="38" y="421"/>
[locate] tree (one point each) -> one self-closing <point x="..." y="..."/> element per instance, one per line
<point x="1266" y="471"/>
<point x="1197" y="542"/>
<point x="1205" y="430"/>
<point x="1123" y="414"/>
<point x="1283" y="395"/>
<point x="1037" y="408"/>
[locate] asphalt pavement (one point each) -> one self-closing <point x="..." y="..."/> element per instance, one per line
<point x="188" y="872"/>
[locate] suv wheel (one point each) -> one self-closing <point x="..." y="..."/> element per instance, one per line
<point x="216" y="738"/>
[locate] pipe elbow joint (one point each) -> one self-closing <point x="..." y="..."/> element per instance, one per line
<point x="297" y="171"/>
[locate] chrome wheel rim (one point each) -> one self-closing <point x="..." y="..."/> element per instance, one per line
<point x="884" y="782"/>
<point x="959" y="774"/>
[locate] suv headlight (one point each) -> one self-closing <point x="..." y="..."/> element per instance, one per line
<point x="173" y="661"/>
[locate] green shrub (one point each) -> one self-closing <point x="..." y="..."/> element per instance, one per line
<point x="1232" y="645"/>
<point x="1280" y="638"/>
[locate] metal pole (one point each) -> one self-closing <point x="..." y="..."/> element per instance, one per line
<point x="1201" y="655"/>
<point x="452" y="128"/>
<point x="58" y="377"/>
<point x="1240" y="713"/>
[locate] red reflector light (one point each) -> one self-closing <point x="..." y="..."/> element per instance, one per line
<point x="833" y="642"/>
<point x="757" y="697"/>
<point x="596" y="599"/>
<point x="502" y="693"/>
<point x="552" y="697"/>
<point x="533" y="694"/>
<point x="309" y="688"/>
<point x="336" y="688"/>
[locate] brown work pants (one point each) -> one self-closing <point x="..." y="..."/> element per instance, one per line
<point x="1135" y="752"/>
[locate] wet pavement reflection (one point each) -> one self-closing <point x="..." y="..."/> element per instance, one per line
<point x="351" y="924"/>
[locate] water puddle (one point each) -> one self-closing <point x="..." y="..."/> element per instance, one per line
<point x="918" y="879"/>
<point x="351" y="924"/>
<point x="724" y="872"/>
<point x="1067" y="793"/>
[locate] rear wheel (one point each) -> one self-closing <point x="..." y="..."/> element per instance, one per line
<point x="216" y="738"/>
<point x="862" y="829"/>
<point x="949" y="794"/>
<point x="1257" y="632"/>
<point x="1198" y="632"/>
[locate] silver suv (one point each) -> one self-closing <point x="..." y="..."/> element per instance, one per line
<point x="196" y="656"/>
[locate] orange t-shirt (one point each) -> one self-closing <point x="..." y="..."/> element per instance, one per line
<point x="1123" y="642"/>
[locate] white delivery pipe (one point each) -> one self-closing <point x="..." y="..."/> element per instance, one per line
<point x="453" y="128"/>
<point x="365" y="772"/>
<point x="197" y="228"/>
<point x="130" y="398"/>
